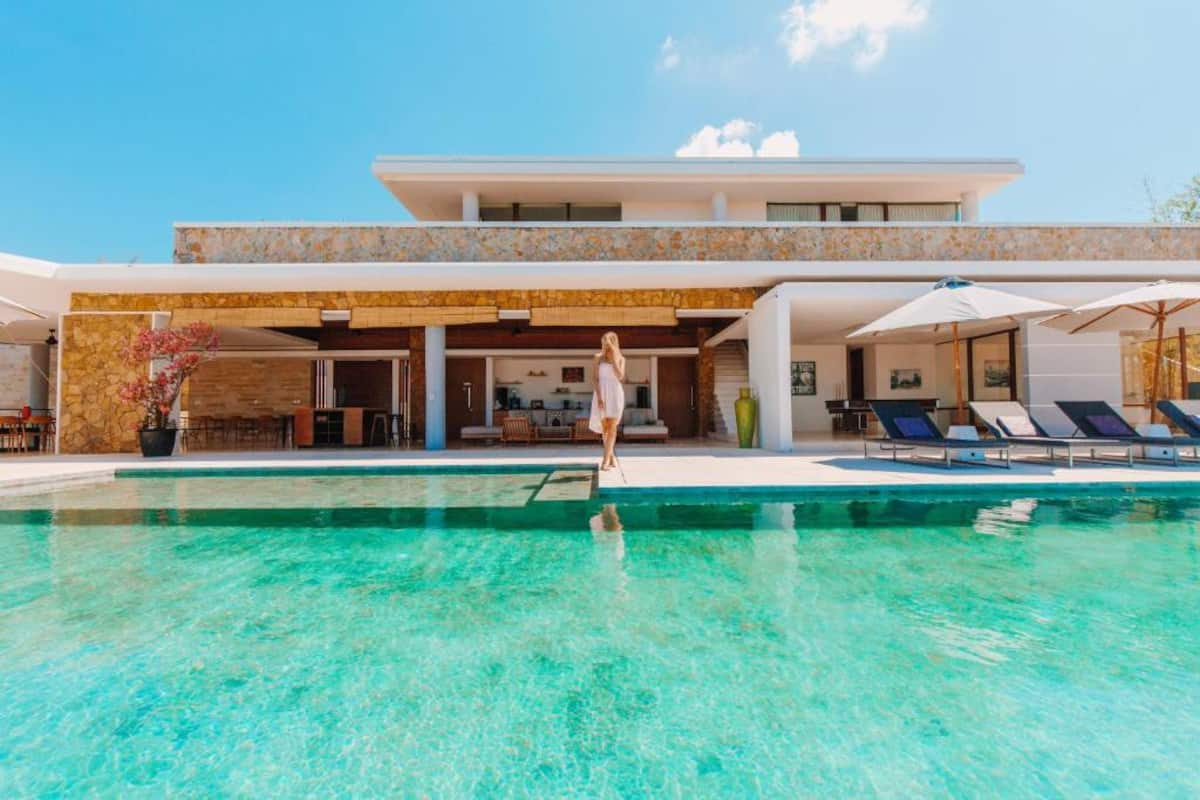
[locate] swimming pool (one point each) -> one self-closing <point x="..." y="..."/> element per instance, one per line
<point x="505" y="634"/>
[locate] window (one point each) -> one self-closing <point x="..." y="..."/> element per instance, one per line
<point x="550" y="212"/>
<point x="862" y="212"/>
<point x="923" y="212"/>
<point x="496" y="213"/>
<point x="793" y="212"/>
<point x="595" y="212"/>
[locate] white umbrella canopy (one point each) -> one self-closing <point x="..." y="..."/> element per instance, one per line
<point x="1147" y="309"/>
<point x="962" y="307"/>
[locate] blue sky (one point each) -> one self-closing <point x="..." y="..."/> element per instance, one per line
<point x="117" y="119"/>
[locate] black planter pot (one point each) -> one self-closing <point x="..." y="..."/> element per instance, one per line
<point x="157" y="442"/>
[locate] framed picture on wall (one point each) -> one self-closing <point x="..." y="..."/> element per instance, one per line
<point x="996" y="374"/>
<point x="572" y="374"/>
<point x="804" y="378"/>
<point x="906" y="379"/>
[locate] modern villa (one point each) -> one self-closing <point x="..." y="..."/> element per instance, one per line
<point x="716" y="274"/>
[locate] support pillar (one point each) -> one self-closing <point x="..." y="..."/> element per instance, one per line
<point x="720" y="207"/>
<point x="39" y="377"/>
<point x="435" y="387"/>
<point x="970" y="207"/>
<point x="416" y="383"/>
<point x="470" y="207"/>
<point x="706" y="384"/>
<point x="770" y="337"/>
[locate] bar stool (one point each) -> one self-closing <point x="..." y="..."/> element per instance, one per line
<point x="379" y="425"/>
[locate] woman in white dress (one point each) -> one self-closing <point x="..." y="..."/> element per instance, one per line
<point x="608" y="396"/>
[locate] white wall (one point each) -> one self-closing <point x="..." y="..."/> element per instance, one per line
<point x="1060" y="366"/>
<point x="880" y="359"/>
<point x="769" y="329"/>
<point x="700" y="211"/>
<point x="808" y="412"/>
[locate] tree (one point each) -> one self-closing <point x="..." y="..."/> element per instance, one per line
<point x="1181" y="207"/>
<point x="182" y="351"/>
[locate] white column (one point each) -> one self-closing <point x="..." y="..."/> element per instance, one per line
<point x="970" y="206"/>
<point x="489" y="389"/>
<point x="654" y="386"/>
<point x="770" y="337"/>
<point x="1060" y="366"/>
<point x="720" y="207"/>
<point x="470" y="207"/>
<point x="39" y="377"/>
<point x="435" y="387"/>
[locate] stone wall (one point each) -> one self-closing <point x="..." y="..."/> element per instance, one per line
<point x="706" y="389"/>
<point x="520" y="299"/>
<point x="197" y="244"/>
<point x="248" y="387"/>
<point x="92" y="419"/>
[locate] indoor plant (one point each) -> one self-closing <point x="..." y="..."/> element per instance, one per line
<point x="172" y="354"/>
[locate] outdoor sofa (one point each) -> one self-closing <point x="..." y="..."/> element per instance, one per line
<point x="1098" y="419"/>
<point x="1009" y="422"/>
<point x="910" y="428"/>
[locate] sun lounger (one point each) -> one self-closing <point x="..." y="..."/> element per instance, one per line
<point x="1098" y="419"/>
<point x="1008" y="421"/>
<point x="1184" y="413"/>
<point x="909" y="428"/>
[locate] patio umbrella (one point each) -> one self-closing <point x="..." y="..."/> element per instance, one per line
<point x="1146" y="309"/>
<point x="960" y="306"/>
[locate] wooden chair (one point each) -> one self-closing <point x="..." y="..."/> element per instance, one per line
<point x="267" y="429"/>
<point x="582" y="433"/>
<point x="12" y="434"/>
<point x="517" y="429"/>
<point x="43" y="426"/>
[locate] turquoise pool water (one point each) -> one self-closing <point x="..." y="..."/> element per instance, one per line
<point x="480" y="636"/>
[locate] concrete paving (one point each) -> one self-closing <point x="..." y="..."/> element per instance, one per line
<point x="816" y="464"/>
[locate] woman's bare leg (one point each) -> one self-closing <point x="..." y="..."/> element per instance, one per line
<point x="610" y="443"/>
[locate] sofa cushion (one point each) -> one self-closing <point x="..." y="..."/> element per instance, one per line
<point x="1109" y="425"/>
<point x="914" y="428"/>
<point x="1017" y="426"/>
<point x="480" y="432"/>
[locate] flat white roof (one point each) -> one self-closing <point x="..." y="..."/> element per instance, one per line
<point x="431" y="187"/>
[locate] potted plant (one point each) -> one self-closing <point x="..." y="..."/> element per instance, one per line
<point x="175" y="354"/>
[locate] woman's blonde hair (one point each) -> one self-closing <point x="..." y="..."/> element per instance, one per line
<point x="608" y="342"/>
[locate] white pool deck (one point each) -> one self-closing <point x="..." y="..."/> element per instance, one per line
<point x="814" y="465"/>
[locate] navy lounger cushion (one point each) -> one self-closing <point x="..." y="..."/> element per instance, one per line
<point x="1017" y="426"/>
<point x="914" y="427"/>
<point x="1195" y="418"/>
<point x="1108" y="425"/>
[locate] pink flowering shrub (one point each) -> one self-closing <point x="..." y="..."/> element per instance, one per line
<point x="184" y="349"/>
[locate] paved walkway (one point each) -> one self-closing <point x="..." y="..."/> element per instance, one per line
<point x="821" y="465"/>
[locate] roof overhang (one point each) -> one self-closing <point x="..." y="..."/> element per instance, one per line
<point x="432" y="188"/>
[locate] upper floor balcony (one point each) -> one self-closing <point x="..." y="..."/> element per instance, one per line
<point x="243" y="243"/>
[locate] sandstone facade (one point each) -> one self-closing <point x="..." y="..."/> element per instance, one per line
<point x="91" y="418"/>
<point x="198" y="244"/>
<point x="248" y="387"/>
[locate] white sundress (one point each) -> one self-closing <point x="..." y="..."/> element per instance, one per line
<point x="614" y="398"/>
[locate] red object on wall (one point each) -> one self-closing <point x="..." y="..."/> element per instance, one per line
<point x="26" y="412"/>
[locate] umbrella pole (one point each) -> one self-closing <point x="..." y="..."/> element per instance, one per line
<point x="1183" y="367"/>
<point x="958" y="393"/>
<point x="1158" y="346"/>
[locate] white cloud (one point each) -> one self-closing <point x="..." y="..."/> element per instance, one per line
<point x="732" y="140"/>
<point x="780" y="144"/>
<point x="668" y="54"/>
<point x="810" y="26"/>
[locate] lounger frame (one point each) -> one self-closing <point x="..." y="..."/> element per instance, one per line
<point x="986" y="411"/>
<point x="888" y="410"/>
<point x="1079" y="410"/>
